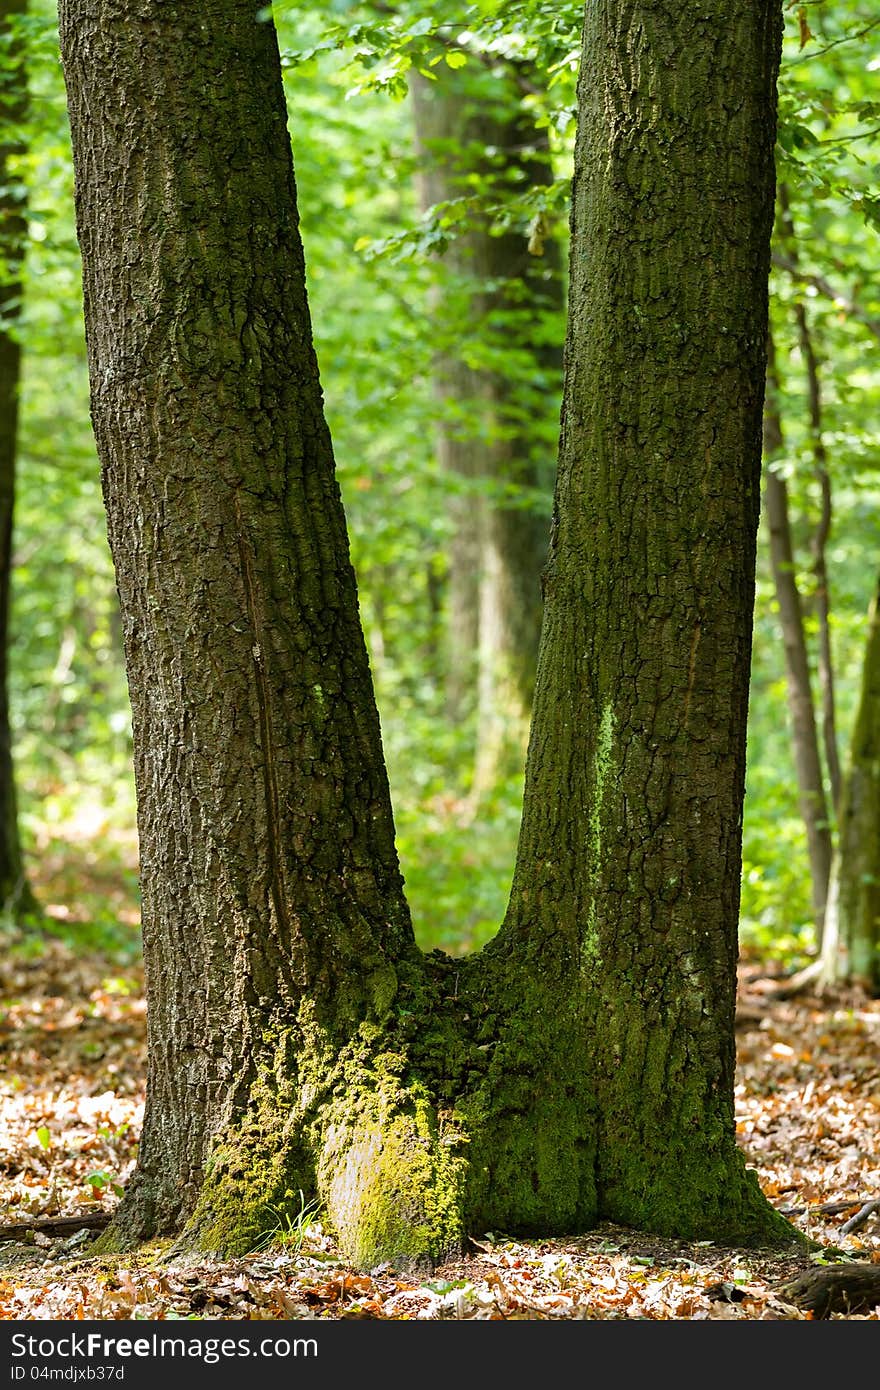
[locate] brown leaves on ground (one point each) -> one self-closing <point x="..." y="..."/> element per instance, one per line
<point x="72" y="1034"/>
<point x="73" y="1043"/>
<point x="808" y="1106"/>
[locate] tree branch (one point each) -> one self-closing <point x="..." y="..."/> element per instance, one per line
<point x="825" y="288"/>
<point x="835" y="43"/>
<point x="513" y="67"/>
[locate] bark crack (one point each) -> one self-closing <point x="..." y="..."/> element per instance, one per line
<point x="692" y="671"/>
<point x="267" y="734"/>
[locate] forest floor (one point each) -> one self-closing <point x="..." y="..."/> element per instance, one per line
<point x="72" y="1039"/>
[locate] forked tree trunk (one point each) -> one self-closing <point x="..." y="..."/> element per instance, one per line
<point x="15" y="896"/>
<point x="583" y="1066"/>
<point x="852" y="949"/>
<point x="804" y="736"/>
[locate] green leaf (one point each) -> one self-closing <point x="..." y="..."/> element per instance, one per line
<point x="456" y="60"/>
<point x="869" y="208"/>
<point x="44" y="1137"/>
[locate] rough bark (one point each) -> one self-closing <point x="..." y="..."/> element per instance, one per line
<point x="851" y="953"/>
<point x="15" y="895"/>
<point x="498" y="545"/>
<point x="298" y="1041"/>
<point x="805" y="742"/>
<point x="628" y="871"/>
<point x="272" y="901"/>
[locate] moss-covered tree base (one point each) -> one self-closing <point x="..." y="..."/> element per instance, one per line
<point x="452" y="1115"/>
<point x="721" y="1202"/>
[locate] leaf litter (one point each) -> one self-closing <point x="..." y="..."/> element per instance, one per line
<point x="73" y="1039"/>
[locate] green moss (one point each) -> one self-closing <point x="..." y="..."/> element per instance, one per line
<point x="259" y="1168"/>
<point x="393" y="1183"/>
<point x="382" y="986"/>
<point x="109" y="1242"/>
<point x="245" y="1197"/>
<point x="482" y="1117"/>
<point x="531" y="1170"/>
<point x="529" y="1116"/>
<point x="590" y="953"/>
<point x="720" y="1201"/>
<point x="358" y="1127"/>
<point x="602" y="774"/>
<point x="676" y="1170"/>
<point x="602" y="771"/>
<point x="254" y="1178"/>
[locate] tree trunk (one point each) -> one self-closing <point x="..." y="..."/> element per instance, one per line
<point x="628" y="872"/>
<point x="583" y="1066"/>
<point x="455" y="387"/>
<point x="821" y="538"/>
<point x="805" y="742"/>
<point x="822" y="533"/>
<point x="499" y="542"/>
<point x="852" y="948"/>
<point x="273" y="914"/>
<point x="15" y="896"/>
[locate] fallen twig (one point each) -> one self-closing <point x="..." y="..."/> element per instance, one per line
<point x="56" y="1225"/>
<point x="860" y="1217"/>
<point x="826" y="1209"/>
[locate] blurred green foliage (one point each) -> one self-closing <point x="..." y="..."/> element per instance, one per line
<point x="375" y="268"/>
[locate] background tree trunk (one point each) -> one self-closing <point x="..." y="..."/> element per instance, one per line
<point x="822" y="532"/>
<point x="499" y="542"/>
<point x="852" y="950"/>
<point x="15" y="896"/>
<point x="805" y="741"/>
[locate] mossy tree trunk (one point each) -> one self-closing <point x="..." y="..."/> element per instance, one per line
<point x="628" y="873"/>
<point x="298" y="1041"/>
<point x="497" y="389"/>
<point x="15" y="896"/>
<point x="851" y="953"/>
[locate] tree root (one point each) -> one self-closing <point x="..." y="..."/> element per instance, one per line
<point x="843" y="1288"/>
